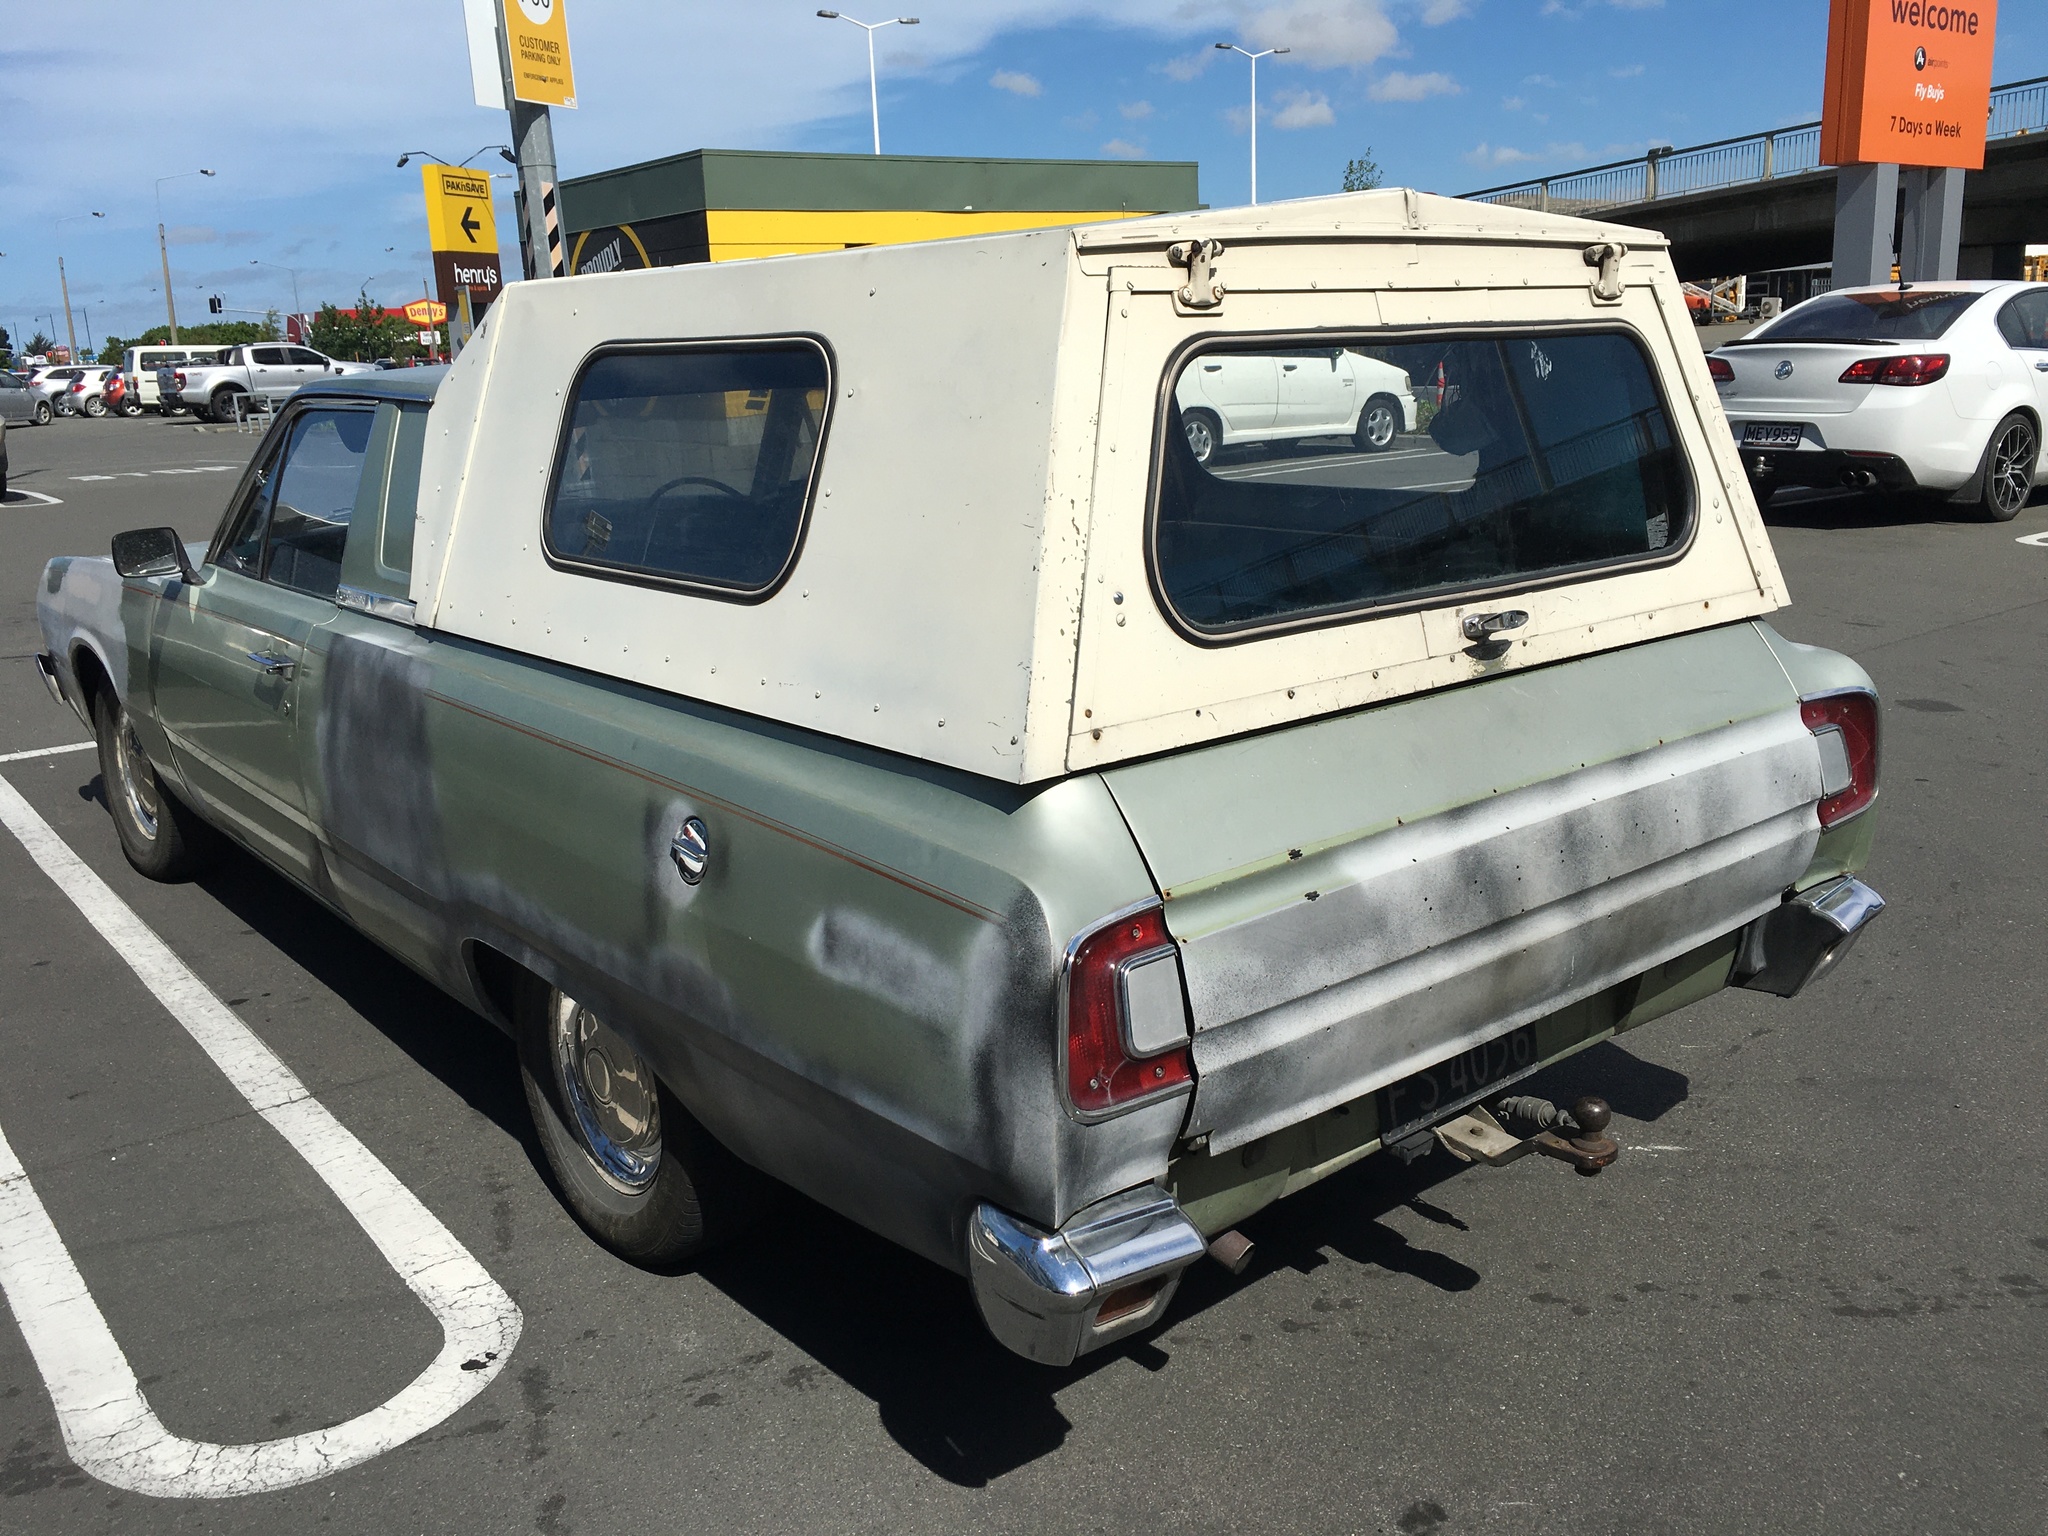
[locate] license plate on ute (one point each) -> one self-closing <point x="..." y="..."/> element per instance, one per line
<point x="1772" y="434"/>
<point x="1435" y="1093"/>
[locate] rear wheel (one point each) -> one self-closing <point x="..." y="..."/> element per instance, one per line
<point x="94" y="406"/>
<point x="1205" y="434"/>
<point x="130" y="408"/>
<point x="223" y="408"/>
<point x="160" y="836"/>
<point x="641" y="1175"/>
<point x="43" y="413"/>
<point x="2008" y="473"/>
<point x="1378" y="424"/>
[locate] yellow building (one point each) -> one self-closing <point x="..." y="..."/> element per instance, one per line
<point x="721" y="204"/>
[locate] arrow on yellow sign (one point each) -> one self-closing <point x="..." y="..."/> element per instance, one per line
<point x="459" y="214"/>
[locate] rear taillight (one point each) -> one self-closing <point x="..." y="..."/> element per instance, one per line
<point x="180" y="378"/>
<point x="1915" y="368"/>
<point x="78" y="386"/>
<point x="1845" y="726"/>
<point x="1719" y="370"/>
<point x="1127" y="1021"/>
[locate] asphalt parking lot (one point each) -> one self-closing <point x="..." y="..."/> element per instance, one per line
<point x="1812" y="1295"/>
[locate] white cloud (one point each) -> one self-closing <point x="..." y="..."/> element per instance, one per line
<point x="1512" y="103"/>
<point x="1303" y="109"/>
<point x="1436" y="12"/>
<point x="1626" y="72"/>
<point x="1539" y="80"/>
<point x="1133" y="111"/>
<point x="1395" y="86"/>
<point x="1016" y="82"/>
<point x="1187" y="66"/>
<point x="1123" y="149"/>
<point x="1484" y="153"/>
<point x="1323" y="34"/>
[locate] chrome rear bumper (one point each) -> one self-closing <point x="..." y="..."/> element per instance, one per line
<point x="1054" y="1296"/>
<point x="46" y="669"/>
<point x="1800" y="942"/>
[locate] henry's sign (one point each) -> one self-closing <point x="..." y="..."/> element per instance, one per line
<point x="462" y="232"/>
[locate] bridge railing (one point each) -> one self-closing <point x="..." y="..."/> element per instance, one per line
<point x="2016" y="109"/>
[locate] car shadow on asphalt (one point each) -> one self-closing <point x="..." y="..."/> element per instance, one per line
<point x="1830" y="511"/>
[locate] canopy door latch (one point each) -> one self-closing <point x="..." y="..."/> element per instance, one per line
<point x="1202" y="291"/>
<point x="1607" y="282"/>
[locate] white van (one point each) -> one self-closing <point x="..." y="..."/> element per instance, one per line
<point x="139" y="366"/>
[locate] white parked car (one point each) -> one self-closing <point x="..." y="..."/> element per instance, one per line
<point x="1236" y="398"/>
<point x="85" y="397"/>
<point x="1935" y="387"/>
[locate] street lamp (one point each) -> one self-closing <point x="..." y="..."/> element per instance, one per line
<point x="64" y="281"/>
<point x="163" y="248"/>
<point x="1254" y="57"/>
<point x="871" y="28"/>
<point x="283" y="268"/>
<point x="503" y="150"/>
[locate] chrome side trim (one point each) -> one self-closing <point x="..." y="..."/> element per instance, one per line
<point x="46" y="669"/>
<point x="1794" y="946"/>
<point x="1039" y="1291"/>
<point x="375" y="604"/>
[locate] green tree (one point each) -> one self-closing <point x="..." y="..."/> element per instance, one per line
<point x="1364" y="173"/>
<point x="39" y="345"/>
<point x="111" y="351"/>
<point x="368" y="334"/>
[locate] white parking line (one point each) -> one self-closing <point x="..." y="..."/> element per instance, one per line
<point x="69" y="746"/>
<point x="144" y="474"/>
<point x="108" y="1426"/>
<point x="2038" y="540"/>
<point x="35" y="498"/>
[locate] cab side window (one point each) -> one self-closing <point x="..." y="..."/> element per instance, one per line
<point x="314" y="497"/>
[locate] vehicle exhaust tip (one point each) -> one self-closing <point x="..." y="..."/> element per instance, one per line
<point x="1233" y="1250"/>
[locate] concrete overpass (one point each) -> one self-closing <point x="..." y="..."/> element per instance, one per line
<point x="1763" y="201"/>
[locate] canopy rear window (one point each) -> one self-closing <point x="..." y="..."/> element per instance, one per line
<point x="1909" y="314"/>
<point x="690" y="465"/>
<point x="1304" y="485"/>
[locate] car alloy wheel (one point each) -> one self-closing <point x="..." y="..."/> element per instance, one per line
<point x="611" y="1097"/>
<point x="138" y="780"/>
<point x="2009" y="477"/>
<point x="1201" y="433"/>
<point x="95" y="406"/>
<point x="1379" y="425"/>
<point x="43" y="413"/>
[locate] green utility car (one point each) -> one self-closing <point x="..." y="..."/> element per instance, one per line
<point x="830" y="712"/>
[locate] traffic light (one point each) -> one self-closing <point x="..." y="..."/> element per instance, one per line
<point x="216" y="304"/>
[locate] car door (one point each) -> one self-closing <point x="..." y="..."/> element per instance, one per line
<point x="2024" y="323"/>
<point x="1316" y="392"/>
<point x="16" y="404"/>
<point x="306" y="364"/>
<point x="227" y="651"/>
<point x="270" y="372"/>
<point x="1243" y="388"/>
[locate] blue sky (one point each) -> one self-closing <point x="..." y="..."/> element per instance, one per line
<point x="319" y="100"/>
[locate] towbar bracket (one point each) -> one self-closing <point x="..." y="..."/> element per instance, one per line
<point x="1578" y="1137"/>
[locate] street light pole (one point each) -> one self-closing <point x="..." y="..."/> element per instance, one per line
<point x="163" y="248"/>
<point x="64" y="282"/>
<point x="283" y="268"/>
<point x="871" y="28"/>
<point x="1254" y="57"/>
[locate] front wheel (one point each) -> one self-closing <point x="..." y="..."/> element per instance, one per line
<point x="159" y="835"/>
<point x="2008" y="474"/>
<point x="43" y="413"/>
<point x="1379" y="424"/>
<point x="633" y="1166"/>
<point x="1205" y="434"/>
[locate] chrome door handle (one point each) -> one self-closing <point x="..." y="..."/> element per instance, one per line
<point x="271" y="664"/>
<point x="2041" y="367"/>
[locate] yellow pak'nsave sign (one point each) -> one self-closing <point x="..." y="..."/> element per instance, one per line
<point x="537" y="42"/>
<point x="459" y="216"/>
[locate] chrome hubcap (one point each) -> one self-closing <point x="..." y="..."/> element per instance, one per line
<point x="138" y="779"/>
<point x="1200" y="439"/>
<point x="610" y="1094"/>
<point x="1379" y="426"/>
<point x="2012" y="468"/>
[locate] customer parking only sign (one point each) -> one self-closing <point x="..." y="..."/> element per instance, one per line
<point x="1909" y="82"/>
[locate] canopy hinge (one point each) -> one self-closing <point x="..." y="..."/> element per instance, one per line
<point x="1202" y="291"/>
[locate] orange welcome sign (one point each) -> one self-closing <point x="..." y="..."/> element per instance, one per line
<point x="1909" y="82"/>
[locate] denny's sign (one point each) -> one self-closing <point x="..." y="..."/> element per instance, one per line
<point x="1909" y="82"/>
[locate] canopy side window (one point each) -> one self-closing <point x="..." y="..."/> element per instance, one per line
<point x="690" y="465"/>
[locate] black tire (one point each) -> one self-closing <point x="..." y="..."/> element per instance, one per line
<point x="2006" y="477"/>
<point x="1204" y="432"/>
<point x="94" y="406"/>
<point x="222" y="407"/>
<point x="43" y="413"/>
<point x="129" y="408"/>
<point x="1379" y="423"/>
<point x="161" y="837"/>
<point x="675" y="1192"/>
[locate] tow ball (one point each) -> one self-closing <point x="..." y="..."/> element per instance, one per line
<point x="1511" y="1127"/>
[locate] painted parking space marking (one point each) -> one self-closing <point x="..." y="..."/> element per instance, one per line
<point x="69" y="746"/>
<point x="109" y="1428"/>
<point x="2038" y="540"/>
<point x="144" y="474"/>
<point x="19" y="497"/>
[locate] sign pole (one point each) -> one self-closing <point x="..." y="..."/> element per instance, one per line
<point x="540" y="224"/>
<point x="528" y="89"/>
